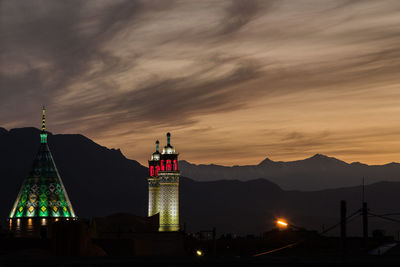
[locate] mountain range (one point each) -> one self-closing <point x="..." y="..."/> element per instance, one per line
<point x="102" y="181"/>
<point x="315" y="173"/>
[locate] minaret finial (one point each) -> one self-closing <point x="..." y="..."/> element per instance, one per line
<point x="168" y="139"/>
<point x="43" y="118"/>
<point x="43" y="135"/>
<point x="157" y="146"/>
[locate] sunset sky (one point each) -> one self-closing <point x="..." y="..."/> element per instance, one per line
<point x="233" y="81"/>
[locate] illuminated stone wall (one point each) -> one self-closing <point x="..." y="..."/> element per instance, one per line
<point x="169" y="201"/>
<point x="154" y="192"/>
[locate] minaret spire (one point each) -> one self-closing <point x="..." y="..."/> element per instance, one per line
<point x="43" y="135"/>
<point x="157" y="146"/>
<point x="168" y="139"/>
<point x="43" y="119"/>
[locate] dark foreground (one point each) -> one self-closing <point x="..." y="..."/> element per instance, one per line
<point x="190" y="261"/>
<point x="74" y="244"/>
<point x="235" y="252"/>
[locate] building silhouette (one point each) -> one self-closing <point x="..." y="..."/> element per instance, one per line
<point x="42" y="198"/>
<point x="164" y="186"/>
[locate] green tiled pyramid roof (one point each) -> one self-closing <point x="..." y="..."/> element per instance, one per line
<point x="42" y="193"/>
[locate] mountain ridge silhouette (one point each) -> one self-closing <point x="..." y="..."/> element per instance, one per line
<point x="102" y="181"/>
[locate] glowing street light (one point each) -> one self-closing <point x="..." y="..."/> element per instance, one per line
<point x="282" y="223"/>
<point x="199" y="253"/>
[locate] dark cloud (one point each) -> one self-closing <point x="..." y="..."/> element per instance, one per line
<point x="138" y="66"/>
<point x="55" y="44"/>
<point x="182" y="99"/>
<point x="238" y="14"/>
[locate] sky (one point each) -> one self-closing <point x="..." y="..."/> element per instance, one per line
<point x="233" y="81"/>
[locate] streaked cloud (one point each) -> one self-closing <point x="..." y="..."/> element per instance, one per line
<point x="234" y="81"/>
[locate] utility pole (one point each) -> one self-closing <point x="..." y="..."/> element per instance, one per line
<point x="365" y="223"/>
<point x="364" y="213"/>
<point x="343" y="232"/>
<point x="363" y="190"/>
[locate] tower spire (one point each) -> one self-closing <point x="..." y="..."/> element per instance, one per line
<point x="43" y="118"/>
<point x="168" y="139"/>
<point x="43" y="135"/>
<point x="157" y="146"/>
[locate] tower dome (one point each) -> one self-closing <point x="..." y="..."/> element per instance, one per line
<point x="42" y="195"/>
<point x="156" y="155"/>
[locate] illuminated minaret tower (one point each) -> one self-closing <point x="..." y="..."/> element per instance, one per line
<point x="154" y="181"/>
<point x="169" y="189"/>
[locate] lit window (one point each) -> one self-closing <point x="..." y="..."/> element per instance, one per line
<point x="162" y="165"/>
<point x="151" y="170"/>
<point x="175" y="165"/>
<point x="157" y="170"/>
<point x="169" y="165"/>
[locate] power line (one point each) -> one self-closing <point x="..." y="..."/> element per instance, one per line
<point x="383" y="217"/>
<point x="278" y="249"/>
<point x="390" y="214"/>
<point x="336" y="225"/>
<point x="348" y="219"/>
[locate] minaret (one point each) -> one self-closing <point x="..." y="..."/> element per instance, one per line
<point x="169" y="189"/>
<point x="42" y="197"/>
<point x="154" y="181"/>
